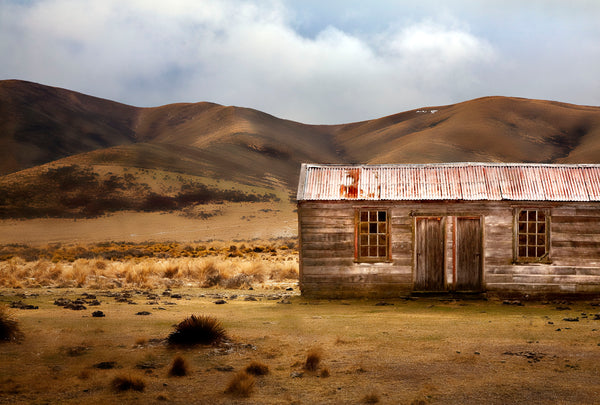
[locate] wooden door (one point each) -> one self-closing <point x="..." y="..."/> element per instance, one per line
<point x="429" y="269"/>
<point x="468" y="254"/>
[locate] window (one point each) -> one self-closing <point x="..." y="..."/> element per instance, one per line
<point x="532" y="235"/>
<point x="373" y="235"/>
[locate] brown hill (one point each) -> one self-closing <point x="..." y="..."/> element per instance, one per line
<point x="137" y="157"/>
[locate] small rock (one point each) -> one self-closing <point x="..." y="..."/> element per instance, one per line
<point x="22" y="305"/>
<point x="289" y="289"/>
<point x="250" y="298"/>
<point x="143" y="313"/>
<point x="297" y="374"/>
<point x="176" y="296"/>
<point x="98" y="314"/>
<point x="219" y="302"/>
<point x="75" y="307"/>
<point x="576" y="319"/>
<point x="383" y="304"/>
<point x="226" y="368"/>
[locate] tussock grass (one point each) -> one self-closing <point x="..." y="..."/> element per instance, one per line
<point x="240" y="385"/>
<point x="9" y="327"/>
<point x="195" y="330"/>
<point x="257" y="368"/>
<point x="313" y="359"/>
<point x="145" y="267"/>
<point x="126" y="383"/>
<point x="371" y="398"/>
<point x="179" y="367"/>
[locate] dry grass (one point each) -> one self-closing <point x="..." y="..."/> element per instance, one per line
<point x="195" y="330"/>
<point x="313" y="359"/>
<point x="9" y="326"/>
<point x="240" y="385"/>
<point x="371" y="398"/>
<point x="257" y="368"/>
<point x="415" y="350"/>
<point x="179" y="367"/>
<point x="126" y="383"/>
<point x="213" y="266"/>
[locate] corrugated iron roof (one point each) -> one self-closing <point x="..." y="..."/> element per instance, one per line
<point x="451" y="181"/>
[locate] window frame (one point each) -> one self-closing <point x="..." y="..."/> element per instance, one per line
<point x="517" y="258"/>
<point x="358" y="257"/>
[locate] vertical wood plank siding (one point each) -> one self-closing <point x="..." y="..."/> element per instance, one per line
<point x="328" y="268"/>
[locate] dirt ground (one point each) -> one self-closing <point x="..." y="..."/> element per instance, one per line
<point x="418" y="351"/>
<point x="228" y="221"/>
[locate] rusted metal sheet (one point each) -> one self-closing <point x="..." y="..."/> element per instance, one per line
<point x="451" y="181"/>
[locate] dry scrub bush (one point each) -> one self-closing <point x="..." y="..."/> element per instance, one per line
<point x="240" y="385"/>
<point x="179" y="367"/>
<point x="126" y="383"/>
<point x="9" y="327"/>
<point x="257" y="368"/>
<point x="194" y="330"/>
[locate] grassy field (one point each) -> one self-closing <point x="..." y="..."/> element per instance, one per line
<point x="420" y="351"/>
<point x="423" y="350"/>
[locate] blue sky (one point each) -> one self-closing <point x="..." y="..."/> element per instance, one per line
<point x="307" y="60"/>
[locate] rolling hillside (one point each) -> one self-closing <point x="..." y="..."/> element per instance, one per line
<point x="116" y="156"/>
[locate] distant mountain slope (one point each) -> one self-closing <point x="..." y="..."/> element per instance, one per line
<point x="499" y="129"/>
<point x="39" y="124"/>
<point x="246" y="148"/>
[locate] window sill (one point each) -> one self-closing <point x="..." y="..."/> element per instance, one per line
<point x="366" y="261"/>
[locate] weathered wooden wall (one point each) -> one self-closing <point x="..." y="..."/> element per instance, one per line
<point x="328" y="268"/>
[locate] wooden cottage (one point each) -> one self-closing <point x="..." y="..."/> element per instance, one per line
<point x="393" y="230"/>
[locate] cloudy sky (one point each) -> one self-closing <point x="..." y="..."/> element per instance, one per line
<point x="314" y="61"/>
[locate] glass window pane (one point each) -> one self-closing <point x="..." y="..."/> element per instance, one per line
<point x="531" y="215"/>
<point x="382" y="251"/>
<point x="364" y="216"/>
<point x="522" y="227"/>
<point x="541" y="216"/>
<point x="541" y="227"/>
<point x="531" y="240"/>
<point x="364" y="227"/>
<point x="522" y="240"/>
<point x="531" y="227"/>
<point x="364" y="240"/>
<point x="381" y="216"/>
<point x="364" y="251"/>
<point x="522" y="251"/>
<point x="373" y="228"/>
<point x="541" y="251"/>
<point x="382" y="240"/>
<point x="541" y="240"/>
<point x="373" y="251"/>
<point x="373" y="216"/>
<point x="523" y="216"/>
<point x="382" y="227"/>
<point x="531" y="251"/>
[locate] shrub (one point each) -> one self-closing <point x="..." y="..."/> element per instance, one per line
<point x="313" y="358"/>
<point x="125" y="383"/>
<point x="257" y="368"/>
<point x="241" y="384"/>
<point x="179" y="367"/>
<point x="197" y="330"/>
<point x="9" y="327"/>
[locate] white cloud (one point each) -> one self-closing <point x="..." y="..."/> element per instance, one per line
<point x="150" y="52"/>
